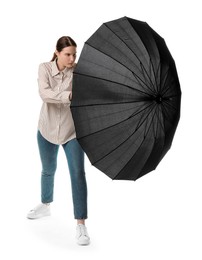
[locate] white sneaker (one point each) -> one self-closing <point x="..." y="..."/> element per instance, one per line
<point x="42" y="210"/>
<point x="82" y="235"/>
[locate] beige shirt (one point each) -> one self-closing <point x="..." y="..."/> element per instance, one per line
<point x="55" y="123"/>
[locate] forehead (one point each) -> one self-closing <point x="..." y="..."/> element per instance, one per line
<point x="69" y="50"/>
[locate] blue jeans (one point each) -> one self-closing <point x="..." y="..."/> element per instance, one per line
<point x="75" y="159"/>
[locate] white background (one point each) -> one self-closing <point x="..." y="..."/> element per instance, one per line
<point x="157" y="217"/>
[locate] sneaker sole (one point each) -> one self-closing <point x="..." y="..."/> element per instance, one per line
<point x="83" y="243"/>
<point x="39" y="216"/>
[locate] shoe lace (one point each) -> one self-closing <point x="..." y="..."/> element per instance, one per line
<point x="82" y="230"/>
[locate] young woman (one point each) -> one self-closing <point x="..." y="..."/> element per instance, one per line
<point x="55" y="128"/>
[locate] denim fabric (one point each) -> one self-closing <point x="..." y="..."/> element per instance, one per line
<point x="75" y="158"/>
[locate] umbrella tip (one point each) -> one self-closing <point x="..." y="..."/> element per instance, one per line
<point x="158" y="99"/>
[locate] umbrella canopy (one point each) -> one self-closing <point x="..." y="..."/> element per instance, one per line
<point x="126" y="99"/>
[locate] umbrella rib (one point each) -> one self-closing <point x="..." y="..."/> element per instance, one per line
<point x="167" y="88"/>
<point x="125" y="139"/>
<point x="142" y="66"/>
<point x="159" y="120"/>
<point x="143" y="69"/>
<point x="129" y="159"/>
<point x="168" y="104"/>
<point x="121" y="64"/>
<point x="138" y="148"/>
<point x="138" y="79"/>
<point x="155" y="76"/>
<point x="165" y="82"/>
<point x="134" y="114"/>
<point x="105" y="104"/>
<point x="113" y="113"/>
<point x="94" y="77"/>
<point x="148" y="114"/>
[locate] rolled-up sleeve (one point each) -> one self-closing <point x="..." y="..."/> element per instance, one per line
<point x="46" y="92"/>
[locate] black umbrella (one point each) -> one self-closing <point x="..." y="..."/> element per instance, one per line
<point x="126" y="99"/>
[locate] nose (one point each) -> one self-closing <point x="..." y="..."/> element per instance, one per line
<point x="71" y="58"/>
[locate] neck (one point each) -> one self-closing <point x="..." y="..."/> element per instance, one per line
<point x="60" y="66"/>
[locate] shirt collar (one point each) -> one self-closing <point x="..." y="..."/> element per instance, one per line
<point x="55" y="69"/>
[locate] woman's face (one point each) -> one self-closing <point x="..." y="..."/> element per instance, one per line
<point x="66" y="57"/>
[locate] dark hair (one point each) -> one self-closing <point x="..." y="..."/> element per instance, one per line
<point x="64" y="41"/>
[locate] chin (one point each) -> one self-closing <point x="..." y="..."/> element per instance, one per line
<point x="69" y="66"/>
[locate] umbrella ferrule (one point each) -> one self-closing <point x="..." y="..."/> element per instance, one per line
<point x="159" y="99"/>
